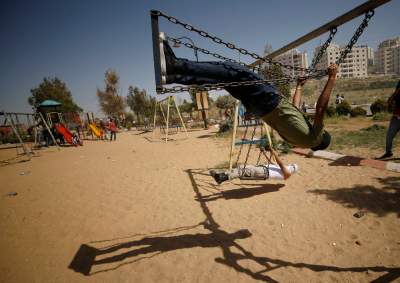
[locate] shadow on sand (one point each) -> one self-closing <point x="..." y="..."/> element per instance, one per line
<point x="379" y="201"/>
<point x="232" y="253"/>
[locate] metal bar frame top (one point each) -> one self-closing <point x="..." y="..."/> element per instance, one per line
<point x="354" y="13"/>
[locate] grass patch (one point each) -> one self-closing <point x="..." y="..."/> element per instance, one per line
<point x="371" y="137"/>
<point x="382" y="116"/>
<point x="336" y="119"/>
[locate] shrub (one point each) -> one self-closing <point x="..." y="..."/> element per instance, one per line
<point x="379" y="105"/>
<point x="381" y="116"/>
<point x="128" y="125"/>
<point x="343" y="108"/>
<point x="358" y="111"/>
<point x="330" y="111"/>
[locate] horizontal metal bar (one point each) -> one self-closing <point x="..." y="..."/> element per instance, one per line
<point x="15" y="113"/>
<point x="356" y="12"/>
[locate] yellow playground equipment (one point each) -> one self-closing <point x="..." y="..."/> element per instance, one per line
<point x="95" y="130"/>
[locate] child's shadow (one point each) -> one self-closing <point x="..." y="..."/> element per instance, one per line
<point x="241" y="193"/>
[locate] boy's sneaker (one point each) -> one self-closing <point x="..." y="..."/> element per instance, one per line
<point x="293" y="168"/>
<point x="386" y="155"/>
<point x="167" y="59"/>
<point x="220" y="177"/>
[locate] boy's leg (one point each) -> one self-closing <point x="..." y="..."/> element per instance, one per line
<point x="259" y="99"/>
<point x="394" y="127"/>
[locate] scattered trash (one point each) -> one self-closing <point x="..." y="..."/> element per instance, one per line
<point x="358" y="243"/>
<point x="24" y="173"/>
<point x="333" y="244"/>
<point x="282" y="225"/>
<point x="11" y="194"/>
<point x="359" y="214"/>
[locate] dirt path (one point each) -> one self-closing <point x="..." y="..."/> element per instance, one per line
<point x="140" y="210"/>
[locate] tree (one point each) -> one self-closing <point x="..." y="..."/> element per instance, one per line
<point x="275" y="74"/>
<point x="54" y="89"/>
<point x="225" y="102"/>
<point x="140" y="103"/>
<point x="343" y="108"/>
<point x="110" y="102"/>
<point x="187" y="107"/>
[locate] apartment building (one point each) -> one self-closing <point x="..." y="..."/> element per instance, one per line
<point x="355" y="65"/>
<point x="396" y="59"/>
<point x="387" y="59"/>
<point x="293" y="58"/>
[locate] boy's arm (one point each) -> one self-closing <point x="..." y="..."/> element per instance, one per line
<point x="298" y="93"/>
<point x="285" y="171"/>
<point x="323" y="99"/>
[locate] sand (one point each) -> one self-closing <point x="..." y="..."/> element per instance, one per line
<point x="140" y="210"/>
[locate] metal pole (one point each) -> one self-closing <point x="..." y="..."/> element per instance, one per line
<point x="359" y="10"/>
<point x="235" y="122"/>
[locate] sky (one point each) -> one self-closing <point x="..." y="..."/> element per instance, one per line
<point x="78" y="40"/>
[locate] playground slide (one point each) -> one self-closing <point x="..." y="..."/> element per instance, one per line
<point x="98" y="133"/>
<point x="65" y="132"/>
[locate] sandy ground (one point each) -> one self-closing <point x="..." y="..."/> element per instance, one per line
<point x="140" y="210"/>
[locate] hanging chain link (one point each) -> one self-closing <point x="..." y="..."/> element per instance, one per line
<point x="222" y="42"/>
<point x="323" y="48"/>
<point x="355" y="37"/>
<point x="221" y="57"/>
<point x="218" y="86"/>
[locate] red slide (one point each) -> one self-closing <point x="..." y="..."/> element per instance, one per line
<point x="65" y="132"/>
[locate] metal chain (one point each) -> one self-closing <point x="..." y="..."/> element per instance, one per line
<point x="226" y="44"/>
<point x="218" y="56"/>
<point x="218" y="86"/>
<point x="248" y="151"/>
<point x="355" y="37"/>
<point x="241" y="146"/>
<point x="349" y="46"/>
<point x="323" y="48"/>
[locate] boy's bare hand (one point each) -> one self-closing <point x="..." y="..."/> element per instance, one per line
<point x="301" y="81"/>
<point x="332" y="70"/>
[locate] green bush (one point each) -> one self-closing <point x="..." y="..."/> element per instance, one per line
<point x="381" y="116"/>
<point x="358" y="111"/>
<point x="379" y="105"/>
<point x="330" y="111"/>
<point x="343" y="108"/>
<point x="128" y="125"/>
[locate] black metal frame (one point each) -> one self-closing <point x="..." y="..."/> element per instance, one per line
<point x="156" y="48"/>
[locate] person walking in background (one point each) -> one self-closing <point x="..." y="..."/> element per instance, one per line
<point x="394" y="125"/>
<point x="113" y="129"/>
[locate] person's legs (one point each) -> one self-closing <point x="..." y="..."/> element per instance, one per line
<point x="259" y="99"/>
<point x="394" y="127"/>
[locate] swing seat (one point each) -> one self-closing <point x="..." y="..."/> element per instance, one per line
<point x="252" y="178"/>
<point x="243" y="175"/>
<point x="257" y="141"/>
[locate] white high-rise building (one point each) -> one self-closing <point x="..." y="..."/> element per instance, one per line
<point x="355" y="65"/>
<point x="386" y="57"/>
<point x="396" y="59"/>
<point x="293" y="58"/>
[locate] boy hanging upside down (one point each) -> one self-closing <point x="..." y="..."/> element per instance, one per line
<point x="262" y="100"/>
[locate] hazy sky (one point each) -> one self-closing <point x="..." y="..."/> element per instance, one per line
<point x="78" y="40"/>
